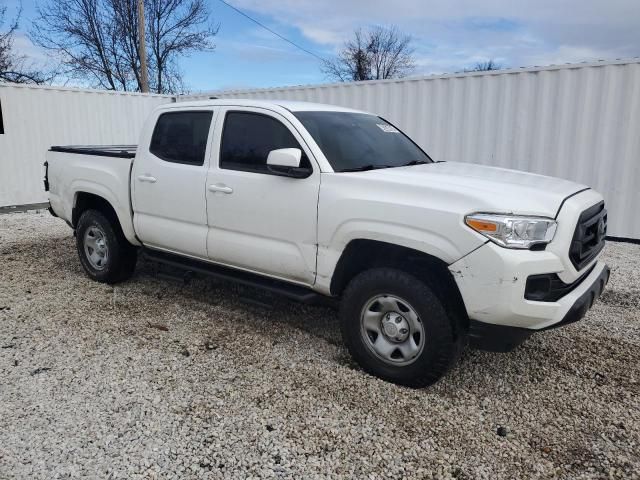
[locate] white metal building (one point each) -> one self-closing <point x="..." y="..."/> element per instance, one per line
<point x="580" y="122"/>
<point x="34" y="118"/>
<point x="577" y="121"/>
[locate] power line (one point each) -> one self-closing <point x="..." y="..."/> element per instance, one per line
<point x="274" y="32"/>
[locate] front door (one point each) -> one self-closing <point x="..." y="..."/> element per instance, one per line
<point x="259" y="221"/>
<point x="168" y="183"/>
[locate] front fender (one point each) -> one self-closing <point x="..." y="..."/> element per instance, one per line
<point x="429" y="242"/>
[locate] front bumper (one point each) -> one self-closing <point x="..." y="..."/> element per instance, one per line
<point x="492" y="282"/>
<point x="504" y="338"/>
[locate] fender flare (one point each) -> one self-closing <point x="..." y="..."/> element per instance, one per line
<point x="123" y="212"/>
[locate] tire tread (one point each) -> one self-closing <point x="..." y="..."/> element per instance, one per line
<point x="438" y="356"/>
<point x="122" y="255"/>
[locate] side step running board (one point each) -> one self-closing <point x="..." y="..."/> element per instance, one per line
<point x="291" y="291"/>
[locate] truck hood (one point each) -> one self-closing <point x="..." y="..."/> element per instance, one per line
<point x="490" y="189"/>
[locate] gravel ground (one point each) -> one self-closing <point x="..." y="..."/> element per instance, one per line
<point x="156" y="379"/>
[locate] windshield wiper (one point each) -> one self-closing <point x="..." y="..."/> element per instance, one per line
<point x="415" y="162"/>
<point x="364" y="168"/>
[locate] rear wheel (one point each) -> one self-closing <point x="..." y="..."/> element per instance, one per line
<point x="397" y="328"/>
<point x="104" y="252"/>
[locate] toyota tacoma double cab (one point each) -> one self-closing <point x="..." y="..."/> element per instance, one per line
<point x="313" y="201"/>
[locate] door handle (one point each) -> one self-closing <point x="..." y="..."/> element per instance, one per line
<point x="219" y="187"/>
<point x="147" y="178"/>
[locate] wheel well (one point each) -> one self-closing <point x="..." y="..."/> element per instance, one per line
<point x="361" y="255"/>
<point x="89" y="201"/>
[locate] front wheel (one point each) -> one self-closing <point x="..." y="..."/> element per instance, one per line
<point x="397" y="328"/>
<point x="104" y="252"/>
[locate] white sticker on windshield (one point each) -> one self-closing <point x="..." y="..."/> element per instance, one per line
<point x="385" y="127"/>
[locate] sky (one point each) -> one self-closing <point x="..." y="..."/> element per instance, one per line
<point x="448" y="36"/>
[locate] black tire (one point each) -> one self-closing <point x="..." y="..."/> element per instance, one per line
<point x="120" y="260"/>
<point x="441" y="346"/>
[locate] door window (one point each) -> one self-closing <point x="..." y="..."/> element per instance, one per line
<point x="248" y="138"/>
<point x="181" y="137"/>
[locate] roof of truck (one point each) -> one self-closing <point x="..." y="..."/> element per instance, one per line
<point x="288" y="104"/>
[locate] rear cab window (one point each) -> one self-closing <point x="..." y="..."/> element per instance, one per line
<point x="247" y="139"/>
<point x="181" y="137"/>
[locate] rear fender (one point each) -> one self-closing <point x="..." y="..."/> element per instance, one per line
<point x="123" y="212"/>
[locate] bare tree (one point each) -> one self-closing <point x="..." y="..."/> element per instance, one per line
<point x="352" y="63"/>
<point x="172" y="35"/>
<point x="13" y="66"/>
<point x="97" y="40"/>
<point x="391" y="53"/>
<point x="375" y="54"/>
<point x="486" y="66"/>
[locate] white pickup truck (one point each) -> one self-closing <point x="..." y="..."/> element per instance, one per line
<point x="314" y="201"/>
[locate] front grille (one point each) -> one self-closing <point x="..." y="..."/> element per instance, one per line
<point x="588" y="239"/>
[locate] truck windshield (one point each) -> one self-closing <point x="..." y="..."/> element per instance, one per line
<point x="359" y="141"/>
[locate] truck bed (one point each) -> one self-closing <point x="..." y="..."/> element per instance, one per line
<point x="121" y="151"/>
<point x="99" y="170"/>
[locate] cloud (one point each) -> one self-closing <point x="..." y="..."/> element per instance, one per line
<point x="452" y="32"/>
<point x="258" y="45"/>
<point x="568" y="54"/>
<point x="449" y="35"/>
<point x="23" y="45"/>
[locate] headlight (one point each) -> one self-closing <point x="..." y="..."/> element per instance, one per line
<point x="513" y="231"/>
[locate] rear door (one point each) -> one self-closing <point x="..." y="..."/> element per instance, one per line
<point x="168" y="182"/>
<point x="259" y="221"/>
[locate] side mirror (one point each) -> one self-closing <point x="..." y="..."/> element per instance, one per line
<point x="285" y="157"/>
<point x="285" y="162"/>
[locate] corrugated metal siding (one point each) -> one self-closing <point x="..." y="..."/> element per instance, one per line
<point x="580" y="122"/>
<point x="37" y="117"/>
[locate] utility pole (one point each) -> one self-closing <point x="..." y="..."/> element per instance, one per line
<point x="142" y="49"/>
